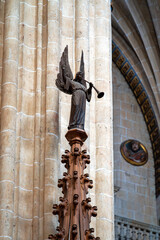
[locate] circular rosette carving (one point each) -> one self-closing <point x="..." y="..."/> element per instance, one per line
<point x="134" y="152"/>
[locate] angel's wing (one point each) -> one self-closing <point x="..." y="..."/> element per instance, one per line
<point x="82" y="69"/>
<point x="64" y="72"/>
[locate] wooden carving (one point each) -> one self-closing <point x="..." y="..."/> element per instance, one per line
<point x="75" y="209"/>
<point x="77" y="88"/>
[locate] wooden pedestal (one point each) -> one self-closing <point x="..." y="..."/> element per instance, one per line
<point x="75" y="210"/>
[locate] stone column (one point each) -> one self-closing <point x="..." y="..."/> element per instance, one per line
<point x="2" y="5"/>
<point x="52" y="115"/>
<point x="67" y="37"/>
<point x="81" y="33"/>
<point x="92" y="127"/>
<point x="104" y="127"/>
<point x="40" y="43"/>
<point x="82" y="43"/>
<point x="25" y="121"/>
<point x="8" y="118"/>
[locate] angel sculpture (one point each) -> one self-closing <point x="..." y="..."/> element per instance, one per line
<point x="76" y="87"/>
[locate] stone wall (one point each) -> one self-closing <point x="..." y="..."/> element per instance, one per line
<point x="34" y="114"/>
<point x="136" y="197"/>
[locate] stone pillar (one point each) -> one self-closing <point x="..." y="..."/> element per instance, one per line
<point x="8" y="118"/>
<point x="25" y="121"/>
<point x="2" y="6"/>
<point x="82" y="43"/>
<point x="39" y="42"/>
<point x="67" y="37"/>
<point x="51" y="123"/>
<point x="92" y="127"/>
<point x="104" y="121"/>
<point x="81" y="33"/>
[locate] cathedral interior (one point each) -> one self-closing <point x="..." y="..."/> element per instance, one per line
<point x="120" y="40"/>
<point x="135" y="38"/>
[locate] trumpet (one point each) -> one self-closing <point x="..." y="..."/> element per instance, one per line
<point x="99" y="94"/>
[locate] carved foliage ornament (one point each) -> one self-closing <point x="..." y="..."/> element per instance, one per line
<point x="134" y="152"/>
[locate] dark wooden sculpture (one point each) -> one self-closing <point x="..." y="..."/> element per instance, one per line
<point x="75" y="211"/>
<point x="77" y="88"/>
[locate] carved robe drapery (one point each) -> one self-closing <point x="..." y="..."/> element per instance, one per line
<point x="78" y="103"/>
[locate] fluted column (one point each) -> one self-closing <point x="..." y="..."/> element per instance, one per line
<point x="52" y="115"/>
<point x="104" y="128"/>
<point x="2" y="5"/>
<point x="67" y="37"/>
<point x="91" y="78"/>
<point x="81" y="33"/>
<point x="82" y="42"/>
<point x="39" y="140"/>
<point x="25" y="132"/>
<point x="8" y="117"/>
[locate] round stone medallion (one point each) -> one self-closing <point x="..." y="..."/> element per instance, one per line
<point x="134" y="152"/>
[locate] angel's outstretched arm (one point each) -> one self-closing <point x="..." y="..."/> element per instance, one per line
<point x="89" y="92"/>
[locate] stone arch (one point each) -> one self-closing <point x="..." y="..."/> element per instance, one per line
<point x="144" y="103"/>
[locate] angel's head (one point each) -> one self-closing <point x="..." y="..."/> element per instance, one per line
<point x="79" y="77"/>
